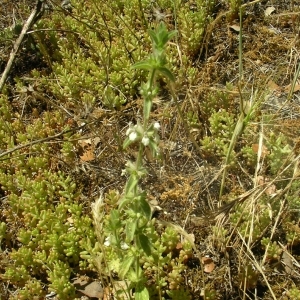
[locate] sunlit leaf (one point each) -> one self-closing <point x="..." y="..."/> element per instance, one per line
<point x="115" y="220"/>
<point x="125" y="266"/>
<point x="131" y="184"/>
<point x="145" y="65"/>
<point x="124" y="201"/>
<point x="166" y="72"/>
<point x="130" y="230"/>
<point x="141" y="293"/>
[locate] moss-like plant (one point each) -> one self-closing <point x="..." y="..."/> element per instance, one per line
<point x="294" y="293"/>
<point x="248" y="276"/>
<point x="234" y="6"/>
<point x="193" y="20"/>
<point x="279" y="152"/>
<point x="273" y="249"/>
<point x="251" y="223"/>
<point x="95" y="46"/>
<point x="222" y="124"/>
<point x="33" y="289"/>
<point x="52" y="230"/>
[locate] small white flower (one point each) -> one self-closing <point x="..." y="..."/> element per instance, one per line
<point x="128" y="131"/>
<point x="132" y="136"/>
<point x="145" y="141"/>
<point x="156" y="125"/>
<point x="107" y="242"/>
<point x="124" y="246"/>
<point x="124" y="172"/>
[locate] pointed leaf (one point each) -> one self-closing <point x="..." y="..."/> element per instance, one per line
<point x="126" y="143"/>
<point x="131" y="276"/>
<point x="145" y="243"/>
<point x="124" y="201"/>
<point x="145" y="207"/>
<point x="154" y="148"/>
<point x="125" y="266"/>
<point x="163" y="39"/>
<point x="131" y="184"/>
<point x="165" y="36"/>
<point x="167" y="73"/>
<point x="114" y="220"/>
<point x="130" y="230"/>
<point x="145" y="65"/>
<point x="153" y="36"/>
<point x="141" y="293"/>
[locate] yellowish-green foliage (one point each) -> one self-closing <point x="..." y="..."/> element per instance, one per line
<point x="51" y="229"/>
<point x="100" y="41"/>
<point x="46" y="223"/>
<point x="54" y="239"/>
<point x="90" y="52"/>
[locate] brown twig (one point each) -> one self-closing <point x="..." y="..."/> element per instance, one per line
<point x="18" y="42"/>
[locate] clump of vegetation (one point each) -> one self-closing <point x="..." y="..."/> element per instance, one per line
<point x="294" y="293"/>
<point x="92" y="58"/>
<point x="52" y="230"/>
<point x="221" y="124"/>
<point x="61" y="145"/>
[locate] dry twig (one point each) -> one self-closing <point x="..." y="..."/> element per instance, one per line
<point x="30" y="21"/>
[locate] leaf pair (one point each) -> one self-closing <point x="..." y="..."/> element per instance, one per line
<point x="161" y="36"/>
<point x="157" y="61"/>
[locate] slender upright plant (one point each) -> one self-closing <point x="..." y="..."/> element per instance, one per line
<point x="129" y="229"/>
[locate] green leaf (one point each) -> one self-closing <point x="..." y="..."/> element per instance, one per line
<point x="131" y="184"/>
<point x="145" y="65"/>
<point x="141" y="293"/>
<point x="125" y="266"/>
<point x="145" y="207"/>
<point x="162" y="36"/>
<point x="115" y="220"/>
<point x="144" y="243"/>
<point x="132" y="277"/>
<point x="130" y="230"/>
<point x="166" y="72"/>
<point x="125" y="200"/>
<point x="153" y="36"/>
